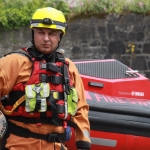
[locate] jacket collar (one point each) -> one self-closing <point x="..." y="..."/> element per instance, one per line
<point x="39" y="56"/>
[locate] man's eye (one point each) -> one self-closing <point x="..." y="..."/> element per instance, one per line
<point x="52" y="33"/>
<point x="40" y="32"/>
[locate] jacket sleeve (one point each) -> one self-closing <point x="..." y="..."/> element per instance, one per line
<point x="82" y="131"/>
<point x="14" y="68"/>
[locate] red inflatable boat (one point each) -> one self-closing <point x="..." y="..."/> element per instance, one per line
<point x="119" y="100"/>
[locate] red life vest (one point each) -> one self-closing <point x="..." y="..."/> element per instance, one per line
<point x="57" y="76"/>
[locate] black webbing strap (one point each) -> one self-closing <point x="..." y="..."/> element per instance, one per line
<point x="60" y="57"/>
<point x="50" y="66"/>
<point x="22" y="52"/>
<point x="23" y="132"/>
<point x="38" y="102"/>
<point x="55" y="112"/>
<point x="60" y="108"/>
<point x="12" y="98"/>
<point x="53" y="79"/>
<point x="66" y="80"/>
<point x="40" y="120"/>
<point x="31" y="120"/>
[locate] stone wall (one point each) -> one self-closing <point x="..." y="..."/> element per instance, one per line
<point x="123" y="37"/>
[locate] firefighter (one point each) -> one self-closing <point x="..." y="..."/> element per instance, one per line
<point x="43" y="94"/>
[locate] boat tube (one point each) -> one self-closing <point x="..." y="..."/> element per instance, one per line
<point x="119" y="102"/>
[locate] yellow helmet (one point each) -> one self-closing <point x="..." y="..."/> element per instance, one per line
<point x="48" y="17"/>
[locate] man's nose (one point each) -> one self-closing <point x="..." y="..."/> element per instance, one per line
<point x="46" y="37"/>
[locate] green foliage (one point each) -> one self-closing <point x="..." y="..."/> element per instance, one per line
<point x="87" y="7"/>
<point x="13" y="14"/>
<point x="16" y="13"/>
<point x="140" y="6"/>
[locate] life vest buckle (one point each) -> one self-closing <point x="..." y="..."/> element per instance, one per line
<point x="65" y="124"/>
<point x="39" y="124"/>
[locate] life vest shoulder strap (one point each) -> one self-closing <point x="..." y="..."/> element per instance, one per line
<point x="60" y="57"/>
<point x="22" y="52"/>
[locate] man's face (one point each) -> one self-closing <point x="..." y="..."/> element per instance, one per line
<point x="46" y="40"/>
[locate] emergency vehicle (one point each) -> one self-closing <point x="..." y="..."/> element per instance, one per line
<point x="119" y="103"/>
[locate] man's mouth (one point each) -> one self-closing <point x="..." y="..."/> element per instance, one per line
<point x="46" y="45"/>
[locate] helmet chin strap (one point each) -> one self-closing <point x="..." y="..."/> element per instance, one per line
<point x="32" y="40"/>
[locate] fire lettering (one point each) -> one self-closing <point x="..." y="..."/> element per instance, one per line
<point x="98" y="97"/>
<point x="105" y="98"/>
<point x="120" y="100"/>
<point x="111" y="99"/>
<point x="88" y="95"/>
<point x="142" y="102"/>
<point x="94" y="98"/>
